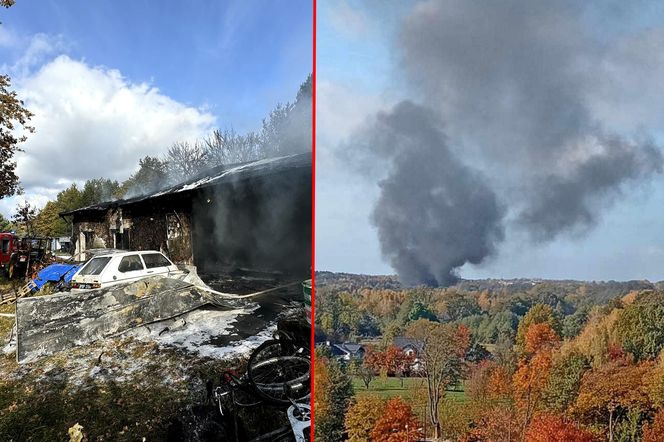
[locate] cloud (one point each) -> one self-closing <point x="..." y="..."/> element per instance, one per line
<point x="91" y="122"/>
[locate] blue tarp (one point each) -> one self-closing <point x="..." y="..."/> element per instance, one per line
<point x="55" y="273"/>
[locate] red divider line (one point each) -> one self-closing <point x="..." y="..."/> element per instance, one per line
<point x="313" y="218"/>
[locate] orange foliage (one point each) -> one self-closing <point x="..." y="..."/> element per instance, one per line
<point x="322" y="386"/>
<point x="391" y="361"/>
<point x="397" y="424"/>
<point x="381" y="302"/>
<point x="613" y="385"/>
<point x="488" y="380"/>
<point x="654" y="432"/>
<point x="497" y="424"/>
<point x="362" y="417"/>
<point x="550" y="428"/>
<point x="540" y="337"/>
<point x="500" y="382"/>
<point x="531" y="378"/>
<point x="463" y="340"/>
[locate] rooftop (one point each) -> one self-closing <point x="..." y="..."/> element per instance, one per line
<point x="211" y="177"/>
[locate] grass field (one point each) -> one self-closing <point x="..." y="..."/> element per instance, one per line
<point x="390" y="387"/>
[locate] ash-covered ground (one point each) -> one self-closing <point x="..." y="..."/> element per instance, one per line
<point x="150" y="382"/>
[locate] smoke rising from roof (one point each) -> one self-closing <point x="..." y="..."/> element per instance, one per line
<point x="514" y="85"/>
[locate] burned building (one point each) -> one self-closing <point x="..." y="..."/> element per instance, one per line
<point x="254" y="215"/>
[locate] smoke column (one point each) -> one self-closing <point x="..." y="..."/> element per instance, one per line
<point x="515" y="86"/>
<point x="434" y="213"/>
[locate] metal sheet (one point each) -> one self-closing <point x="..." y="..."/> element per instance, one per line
<point x="48" y="324"/>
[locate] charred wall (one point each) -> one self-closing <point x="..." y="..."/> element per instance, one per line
<point x="162" y="224"/>
<point x="262" y="223"/>
<point x="90" y="230"/>
<point x="260" y="220"/>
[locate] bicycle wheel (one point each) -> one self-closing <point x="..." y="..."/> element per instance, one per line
<point x="279" y="372"/>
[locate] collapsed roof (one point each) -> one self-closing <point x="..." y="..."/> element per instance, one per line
<point x="212" y="177"/>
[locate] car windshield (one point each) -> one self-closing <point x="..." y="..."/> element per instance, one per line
<point x="95" y="266"/>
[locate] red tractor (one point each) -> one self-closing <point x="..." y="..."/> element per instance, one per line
<point x="22" y="257"/>
<point x="8" y="245"/>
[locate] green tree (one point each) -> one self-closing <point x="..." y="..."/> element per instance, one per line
<point x="152" y="175"/>
<point x="573" y="324"/>
<point x="564" y="381"/>
<point x="460" y="306"/>
<point x="332" y="396"/>
<point x="640" y="329"/>
<point x="98" y="190"/>
<point x="6" y="225"/>
<point x="421" y="311"/>
<point x="24" y="218"/>
<point x="14" y="118"/>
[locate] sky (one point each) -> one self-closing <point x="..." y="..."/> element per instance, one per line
<point x="364" y="67"/>
<point x="112" y="81"/>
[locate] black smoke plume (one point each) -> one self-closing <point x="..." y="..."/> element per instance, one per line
<point x="434" y="213"/>
<point x="516" y="86"/>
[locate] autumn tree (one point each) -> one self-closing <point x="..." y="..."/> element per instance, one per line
<point x="540" y="338"/>
<point x="552" y="428"/>
<point x="442" y="348"/>
<point x="362" y="416"/>
<point x="332" y="395"/>
<point x="392" y="361"/>
<point x="497" y="423"/>
<point x="538" y="314"/>
<point x="611" y="390"/>
<point x="499" y="383"/>
<point x="654" y="383"/>
<point x="532" y="375"/>
<point x="396" y="424"/>
<point x="654" y="432"/>
<point x="14" y="118"/>
<point x="47" y="221"/>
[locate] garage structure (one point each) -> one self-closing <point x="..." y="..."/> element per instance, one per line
<point x="254" y="216"/>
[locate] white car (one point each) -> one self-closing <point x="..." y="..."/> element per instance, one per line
<point x="114" y="268"/>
